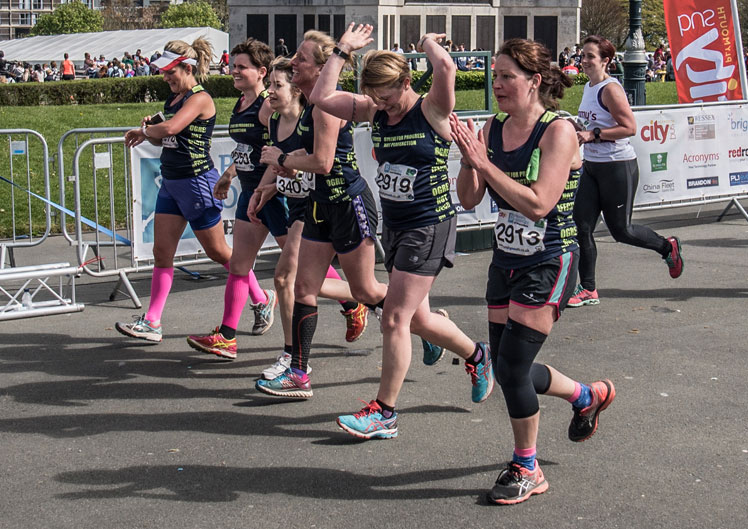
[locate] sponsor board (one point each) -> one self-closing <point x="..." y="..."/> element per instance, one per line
<point x="738" y="123"/>
<point x="708" y="181"/>
<point x="700" y="160"/>
<point x="663" y="186"/>
<point x="658" y="161"/>
<point x="739" y="179"/>
<point x="658" y="131"/>
<point x="701" y="127"/>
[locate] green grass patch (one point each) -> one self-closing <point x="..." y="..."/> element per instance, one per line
<point x="52" y="122"/>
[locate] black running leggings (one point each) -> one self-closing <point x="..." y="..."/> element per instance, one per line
<point x="609" y="187"/>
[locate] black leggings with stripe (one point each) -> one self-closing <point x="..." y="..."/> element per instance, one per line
<point x="609" y="188"/>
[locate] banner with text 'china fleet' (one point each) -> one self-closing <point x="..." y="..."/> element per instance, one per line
<point x="706" y="56"/>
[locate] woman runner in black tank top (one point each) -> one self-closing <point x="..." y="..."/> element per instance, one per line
<point x="248" y="128"/>
<point x="531" y="168"/>
<point x="186" y="193"/>
<point x="343" y="222"/>
<point x="285" y="101"/>
<point x="411" y="144"/>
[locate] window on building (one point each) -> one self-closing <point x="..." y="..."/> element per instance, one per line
<point x="285" y="28"/>
<point x="24" y="4"/>
<point x="436" y="23"/>
<point x="485" y="34"/>
<point x="338" y="26"/>
<point x="323" y="23"/>
<point x="410" y="30"/>
<point x="38" y="4"/>
<point x="461" y="31"/>
<point x="258" y="27"/>
<point x="546" y="31"/>
<point x="515" y="28"/>
<point x="309" y="22"/>
<point x="385" y="32"/>
<point x="24" y="19"/>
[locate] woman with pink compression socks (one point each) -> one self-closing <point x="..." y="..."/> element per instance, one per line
<point x="249" y="128"/>
<point x="188" y="177"/>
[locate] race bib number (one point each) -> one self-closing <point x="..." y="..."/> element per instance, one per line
<point x="518" y="235"/>
<point x="169" y="142"/>
<point x="296" y="187"/>
<point x="240" y="155"/>
<point x="396" y="181"/>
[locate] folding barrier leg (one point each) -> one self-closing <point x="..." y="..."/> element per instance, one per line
<point x="736" y="204"/>
<point x="129" y="291"/>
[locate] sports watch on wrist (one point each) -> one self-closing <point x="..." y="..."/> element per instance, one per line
<point x="282" y="159"/>
<point x="596" y="132"/>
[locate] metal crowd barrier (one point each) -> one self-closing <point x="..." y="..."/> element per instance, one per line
<point x="20" y="167"/>
<point x="31" y="284"/>
<point x="109" y="214"/>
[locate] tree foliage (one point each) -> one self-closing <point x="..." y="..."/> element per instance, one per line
<point x="73" y="17"/>
<point x="606" y="18"/>
<point x="653" y="23"/>
<point x="198" y="13"/>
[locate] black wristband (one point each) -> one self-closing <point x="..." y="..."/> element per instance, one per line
<point x="282" y="159"/>
<point x="340" y="53"/>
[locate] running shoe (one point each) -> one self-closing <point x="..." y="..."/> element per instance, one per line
<point x="214" y="343"/>
<point x="432" y="353"/>
<point x="481" y="375"/>
<point x="516" y="484"/>
<point x="140" y="328"/>
<point x="674" y="259"/>
<point x="584" y="423"/>
<point x="369" y="423"/>
<point x="264" y="314"/>
<point x="582" y="296"/>
<point x="355" y="322"/>
<point x="289" y="385"/>
<point x="280" y="366"/>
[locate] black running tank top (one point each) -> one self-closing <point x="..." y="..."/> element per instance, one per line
<point x="412" y="175"/>
<point x="187" y="153"/>
<point x="517" y="249"/>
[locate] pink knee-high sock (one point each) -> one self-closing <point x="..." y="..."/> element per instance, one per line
<point x="234" y="299"/>
<point x="256" y="294"/>
<point x="333" y="274"/>
<point x="160" y="286"/>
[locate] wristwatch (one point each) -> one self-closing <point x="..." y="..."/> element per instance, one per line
<point x="596" y="132"/>
<point x="282" y="159"/>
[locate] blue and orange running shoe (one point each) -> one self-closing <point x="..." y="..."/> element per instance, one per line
<point x="481" y="375"/>
<point x="289" y="385"/>
<point x="432" y="353"/>
<point x="369" y="423"/>
<point x="214" y="343"/>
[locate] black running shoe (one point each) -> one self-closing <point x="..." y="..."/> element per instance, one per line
<point x="584" y="423"/>
<point x="516" y="484"/>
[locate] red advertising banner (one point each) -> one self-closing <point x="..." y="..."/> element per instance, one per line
<point x="706" y="57"/>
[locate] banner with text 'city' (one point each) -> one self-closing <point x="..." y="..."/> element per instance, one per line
<point x="706" y="58"/>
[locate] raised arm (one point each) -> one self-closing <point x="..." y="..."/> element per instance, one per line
<point x="441" y="99"/>
<point x="344" y="105"/>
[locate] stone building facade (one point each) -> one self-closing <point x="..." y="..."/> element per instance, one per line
<point x="478" y="24"/>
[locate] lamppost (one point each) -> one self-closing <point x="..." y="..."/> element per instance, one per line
<point x="634" y="60"/>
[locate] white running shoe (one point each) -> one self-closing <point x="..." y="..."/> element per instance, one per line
<point x="279" y="367"/>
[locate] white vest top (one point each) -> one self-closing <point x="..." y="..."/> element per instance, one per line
<point x="595" y="114"/>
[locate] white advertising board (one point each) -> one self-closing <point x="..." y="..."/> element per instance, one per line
<point x="691" y="153"/>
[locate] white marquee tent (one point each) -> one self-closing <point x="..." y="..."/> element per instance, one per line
<point x="110" y="44"/>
